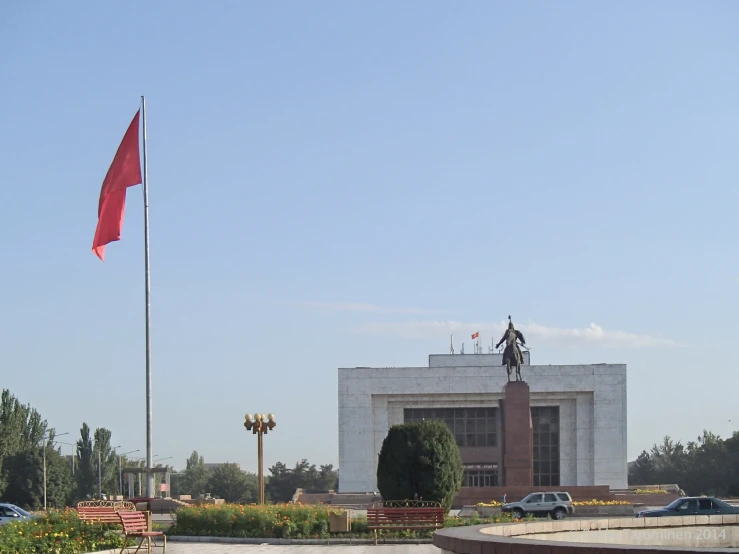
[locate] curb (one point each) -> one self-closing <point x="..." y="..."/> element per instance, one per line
<point x="315" y="542"/>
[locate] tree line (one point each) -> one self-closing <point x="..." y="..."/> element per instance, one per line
<point x="709" y="465"/>
<point x="26" y="439"/>
<point x="232" y="484"/>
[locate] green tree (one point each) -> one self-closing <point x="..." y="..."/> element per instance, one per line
<point x="21" y="428"/>
<point x="25" y="478"/>
<point x="284" y="481"/>
<point x="328" y="478"/>
<point x="103" y="454"/>
<point x="671" y="461"/>
<point x="708" y="465"/>
<point x="60" y="483"/>
<point x="85" y="469"/>
<point x="232" y="484"/>
<point x="194" y="479"/>
<point x="643" y="470"/>
<point x="420" y="460"/>
<point x="732" y="455"/>
<point x="281" y="483"/>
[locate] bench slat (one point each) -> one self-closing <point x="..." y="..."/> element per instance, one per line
<point x="405" y="518"/>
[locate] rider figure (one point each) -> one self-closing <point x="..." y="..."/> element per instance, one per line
<point x="512" y="351"/>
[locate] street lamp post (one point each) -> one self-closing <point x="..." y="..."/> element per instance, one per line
<point x="258" y="426"/>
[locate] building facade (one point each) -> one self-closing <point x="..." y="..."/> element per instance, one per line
<point x="578" y="418"/>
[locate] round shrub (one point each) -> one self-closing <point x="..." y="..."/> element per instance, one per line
<point x="420" y="460"/>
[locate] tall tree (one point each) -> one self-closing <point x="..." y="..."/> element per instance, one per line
<point x="25" y="474"/>
<point x="104" y="455"/>
<point x="84" y="471"/>
<point x="280" y="487"/>
<point x="60" y="484"/>
<point x="195" y="477"/>
<point x="232" y="484"/>
<point x="21" y="428"/>
<point x="643" y="470"/>
<point x="284" y="481"/>
<point x="329" y="478"/>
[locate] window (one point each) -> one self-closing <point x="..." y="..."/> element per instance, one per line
<point x="545" y="421"/>
<point x="550" y="498"/>
<point x="533" y="499"/>
<point x="7" y="512"/>
<point x="564" y="497"/>
<point x="480" y="478"/>
<point x="689" y="506"/>
<point x="704" y="503"/>
<point x="476" y="427"/>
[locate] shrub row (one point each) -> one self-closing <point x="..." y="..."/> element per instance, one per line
<point x="60" y="532"/>
<point x="284" y="521"/>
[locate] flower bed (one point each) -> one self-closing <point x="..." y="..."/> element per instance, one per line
<point x="491" y="504"/>
<point x="649" y="491"/>
<point x="601" y="503"/>
<point x="285" y="521"/>
<point x="58" y="532"/>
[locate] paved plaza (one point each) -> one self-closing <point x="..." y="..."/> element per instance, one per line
<point x="205" y="548"/>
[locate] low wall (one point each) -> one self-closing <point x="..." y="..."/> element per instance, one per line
<point x="695" y="536"/>
<point x="608" y="536"/>
<point x="473" y="495"/>
<point x="580" y="511"/>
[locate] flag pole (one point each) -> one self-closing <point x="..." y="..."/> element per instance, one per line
<point x="149" y="456"/>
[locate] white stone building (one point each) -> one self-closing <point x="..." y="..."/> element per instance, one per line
<point x="578" y="416"/>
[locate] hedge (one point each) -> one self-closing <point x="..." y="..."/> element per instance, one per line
<point x="58" y="532"/>
<point x="283" y="521"/>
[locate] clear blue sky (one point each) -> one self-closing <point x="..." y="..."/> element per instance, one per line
<point x="345" y="184"/>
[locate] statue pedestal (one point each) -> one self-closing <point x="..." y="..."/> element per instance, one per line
<point x="518" y="445"/>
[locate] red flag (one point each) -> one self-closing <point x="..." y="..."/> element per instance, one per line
<point x="476" y="335"/>
<point x="124" y="172"/>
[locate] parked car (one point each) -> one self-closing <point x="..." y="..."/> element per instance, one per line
<point x="11" y="512"/>
<point x="692" y="505"/>
<point x="558" y="505"/>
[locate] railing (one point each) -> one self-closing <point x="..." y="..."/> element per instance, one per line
<point x="407" y="504"/>
<point x="117" y="505"/>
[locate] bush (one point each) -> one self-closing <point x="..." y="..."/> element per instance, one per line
<point x="278" y="521"/>
<point x="420" y="460"/>
<point x="58" y="532"/>
<point x="287" y="521"/>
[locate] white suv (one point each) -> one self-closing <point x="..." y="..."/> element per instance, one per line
<point x="558" y="505"/>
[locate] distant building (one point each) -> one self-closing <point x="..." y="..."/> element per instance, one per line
<point x="578" y="418"/>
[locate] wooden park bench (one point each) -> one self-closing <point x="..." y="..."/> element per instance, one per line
<point x="400" y="516"/>
<point x="99" y="514"/>
<point x="136" y="526"/>
<point x="102" y="511"/>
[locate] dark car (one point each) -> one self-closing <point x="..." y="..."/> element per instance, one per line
<point x="692" y="506"/>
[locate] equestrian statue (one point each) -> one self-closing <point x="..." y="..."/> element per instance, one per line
<point x="512" y="356"/>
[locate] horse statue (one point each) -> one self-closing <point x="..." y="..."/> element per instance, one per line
<point x="512" y="357"/>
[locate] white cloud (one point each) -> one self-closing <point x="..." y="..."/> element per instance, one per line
<point x="364" y="307"/>
<point x="593" y="334"/>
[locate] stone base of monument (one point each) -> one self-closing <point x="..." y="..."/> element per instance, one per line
<point x="518" y="435"/>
